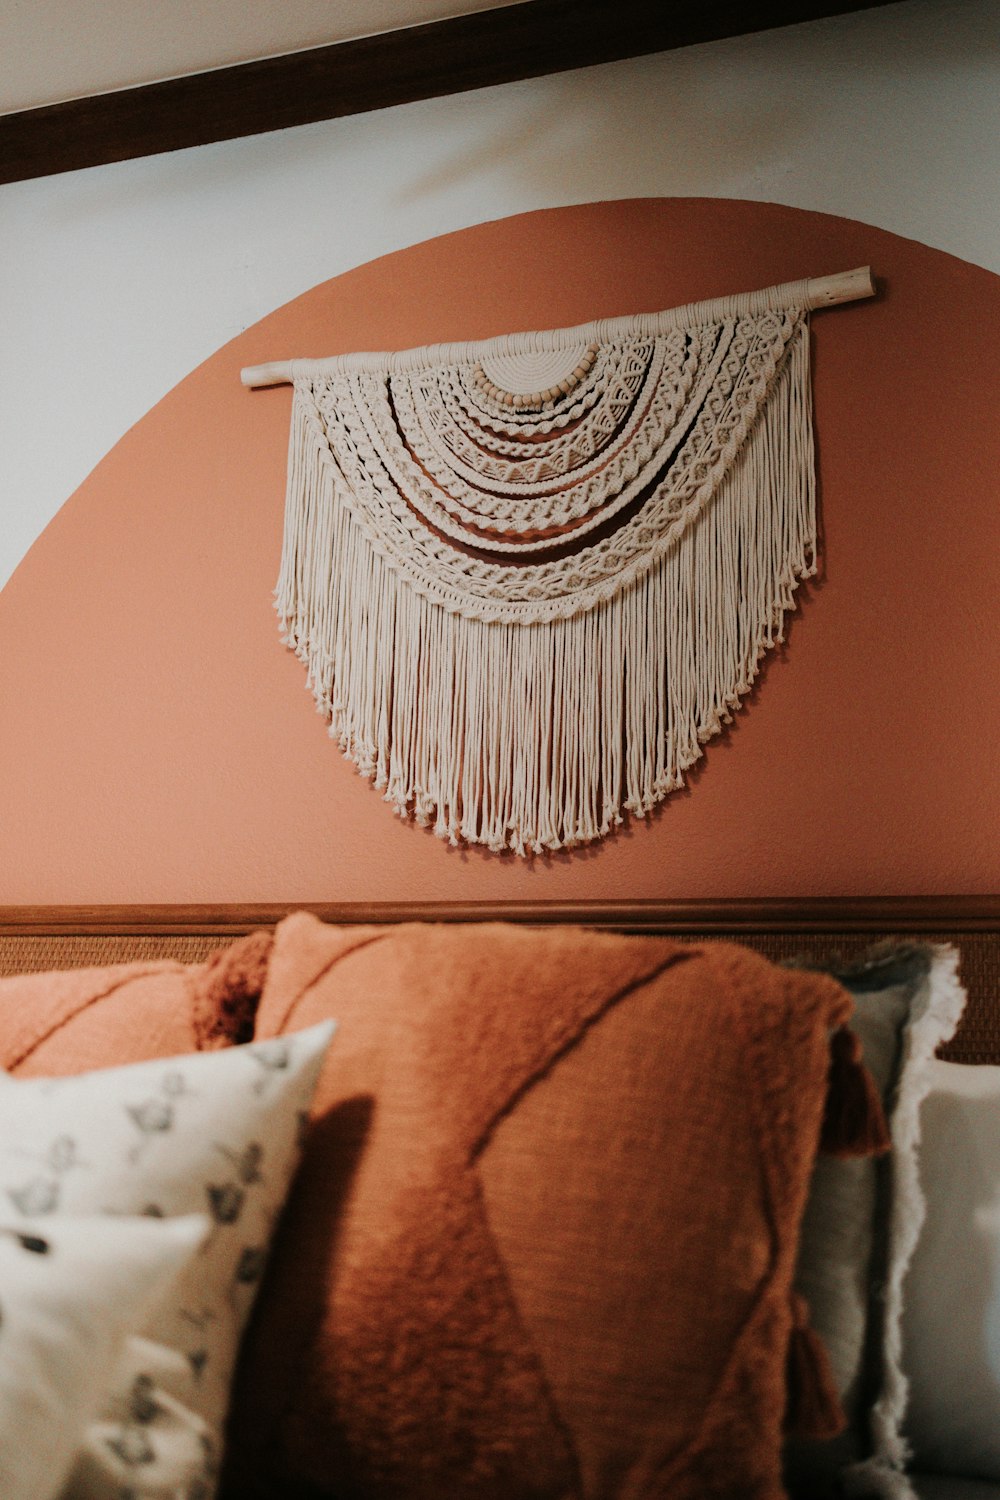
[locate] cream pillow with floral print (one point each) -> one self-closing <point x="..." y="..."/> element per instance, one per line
<point x="70" y="1291"/>
<point x="216" y="1133"/>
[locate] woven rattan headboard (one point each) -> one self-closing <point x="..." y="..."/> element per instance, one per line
<point x="38" y="938"/>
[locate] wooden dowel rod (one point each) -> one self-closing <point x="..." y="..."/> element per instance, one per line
<point x="845" y="286"/>
<point x="821" y="291"/>
<point x="278" y="372"/>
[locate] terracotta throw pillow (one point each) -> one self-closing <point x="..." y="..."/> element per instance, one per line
<point x="52" y="1024"/>
<point x="543" y="1238"/>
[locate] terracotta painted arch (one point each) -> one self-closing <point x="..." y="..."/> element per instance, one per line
<point x="157" y="742"/>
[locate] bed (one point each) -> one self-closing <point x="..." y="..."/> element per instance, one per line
<point x="397" y="1317"/>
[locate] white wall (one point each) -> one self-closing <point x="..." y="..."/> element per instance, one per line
<point x="117" y="281"/>
<point x="62" y="49"/>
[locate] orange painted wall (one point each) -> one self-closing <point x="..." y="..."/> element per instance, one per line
<point x="157" y="742"/>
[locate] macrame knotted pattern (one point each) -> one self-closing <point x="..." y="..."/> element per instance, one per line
<point x="529" y="578"/>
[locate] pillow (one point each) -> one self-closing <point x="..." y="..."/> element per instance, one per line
<point x="542" y="1240"/>
<point x="842" y="1249"/>
<point x="947" y="1487"/>
<point x="76" y="1019"/>
<point x="70" y="1290"/>
<point x="935" y="1003"/>
<point x="215" y="1132"/>
<point x="951" y="1306"/>
<point x="145" y="1444"/>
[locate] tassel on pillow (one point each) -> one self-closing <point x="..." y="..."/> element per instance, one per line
<point x="854" y="1121"/>
<point x="227" y="990"/>
<point x="814" y="1409"/>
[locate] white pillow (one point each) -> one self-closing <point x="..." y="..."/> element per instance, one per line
<point x="934" y="1015"/>
<point x="951" y="1312"/>
<point x="70" y="1291"/>
<point x="215" y="1132"/>
<point x="146" y="1443"/>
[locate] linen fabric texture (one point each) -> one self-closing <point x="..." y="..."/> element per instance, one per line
<point x="543" y="1238"/>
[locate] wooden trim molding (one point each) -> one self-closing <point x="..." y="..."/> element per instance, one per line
<point x="833" y="915"/>
<point x="496" y="46"/>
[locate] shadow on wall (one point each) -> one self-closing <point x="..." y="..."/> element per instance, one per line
<point x="742" y="110"/>
<point x="575" y="132"/>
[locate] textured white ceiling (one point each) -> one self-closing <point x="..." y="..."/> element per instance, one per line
<point x="65" y="49"/>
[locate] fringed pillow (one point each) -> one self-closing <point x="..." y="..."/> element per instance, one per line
<point x="861" y="1224"/>
<point x="543" y="1240"/>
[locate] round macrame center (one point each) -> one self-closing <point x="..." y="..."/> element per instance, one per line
<point x="536" y="374"/>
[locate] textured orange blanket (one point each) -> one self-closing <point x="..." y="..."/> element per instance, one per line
<point x="543" y="1239"/>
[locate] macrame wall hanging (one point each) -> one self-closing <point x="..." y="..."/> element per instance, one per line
<point x="530" y="577"/>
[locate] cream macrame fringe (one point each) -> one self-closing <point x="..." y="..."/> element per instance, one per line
<point x="539" y="736"/>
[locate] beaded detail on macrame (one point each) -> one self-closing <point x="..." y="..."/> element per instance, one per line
<point x="562" y="383"/>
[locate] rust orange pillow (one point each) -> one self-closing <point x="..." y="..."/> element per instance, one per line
<point x="543" y="1238"/>
<point x="73" y="1020"/>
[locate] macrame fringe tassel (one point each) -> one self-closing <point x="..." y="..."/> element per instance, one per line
<point x="540" y="736"/>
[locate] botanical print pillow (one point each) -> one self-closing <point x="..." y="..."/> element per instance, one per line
<point x="213" y="1132"/>
<point x="70" y="1290"/>
<point x="145" y="1443"/>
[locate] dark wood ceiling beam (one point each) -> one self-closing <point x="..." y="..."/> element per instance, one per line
<point x="396" y="67"/>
